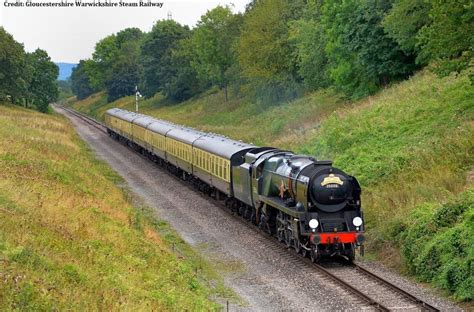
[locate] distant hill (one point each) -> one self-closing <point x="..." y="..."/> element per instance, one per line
<point x="65" y="70"/>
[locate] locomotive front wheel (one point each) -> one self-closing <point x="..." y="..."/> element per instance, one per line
<point x="280" y="227"/>
<point x="304" y="251"/>
<point x="288" y="239"/>
<point x="351" y="255"/>
<point x="314" y="254"/>
<point x="281" y="236"/>
<point x="297" y="245"/>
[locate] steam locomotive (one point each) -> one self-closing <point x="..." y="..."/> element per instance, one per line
<point x="307" y="204"/>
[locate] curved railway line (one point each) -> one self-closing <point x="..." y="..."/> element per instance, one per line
<point x="370" y="290"/>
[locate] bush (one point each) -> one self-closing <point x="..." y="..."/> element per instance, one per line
<point x="437" y="245"/>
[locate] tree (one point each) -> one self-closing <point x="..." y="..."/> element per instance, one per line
<point x="309" y="37"/>
<point x="267" y="56"/>
<point x="43" y="86"/>
<point x="80" y="83"/>
<point x="183" y="83"/>
<point x="14" y="72"/>
<point x="362" y="56"/>
<point x="213" y="41"/>
<point x="125" y="73"/>
<point x="128" y="35"/>
<point x="156" y="55"/>
<point x="98" y="69"/>
<point x="405" y="20"/>
<point x="448" y="40"/>
<point x="65" y="90"/>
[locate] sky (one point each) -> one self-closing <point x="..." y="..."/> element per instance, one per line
<point x="70" y="34"/>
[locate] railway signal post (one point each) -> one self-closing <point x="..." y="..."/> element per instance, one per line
<point x="137" y="96"/>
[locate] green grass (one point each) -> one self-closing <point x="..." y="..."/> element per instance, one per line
<point x="283" y="126"/>
<point x="71" y="239"/>
<point x="411" y="146"/>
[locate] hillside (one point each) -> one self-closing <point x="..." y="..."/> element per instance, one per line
<point x="72" y="240"/>
<point x="411" y="146"/>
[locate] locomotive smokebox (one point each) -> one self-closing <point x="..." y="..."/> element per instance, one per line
<point x="330" y="190"/>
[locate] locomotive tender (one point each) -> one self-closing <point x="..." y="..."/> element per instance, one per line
<point x="307" y="204"/>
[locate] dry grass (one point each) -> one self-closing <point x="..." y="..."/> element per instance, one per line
<point x="71" y="239"/>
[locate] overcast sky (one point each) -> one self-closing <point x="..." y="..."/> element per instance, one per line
<point x="69" y="34"/>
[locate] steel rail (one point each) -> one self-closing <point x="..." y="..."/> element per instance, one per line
<point x="87" y="119"/>
<point x="369" y="300"/>
<point x="404" y="293"/>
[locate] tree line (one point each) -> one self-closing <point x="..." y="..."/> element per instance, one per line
<point x="28" y="79"/>
<point x="278" y="49"/>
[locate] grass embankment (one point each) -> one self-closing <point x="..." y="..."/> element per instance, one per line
<point x="70" y="238"/>
<point x="284" y="126"/>
<point x="411" y="146"/>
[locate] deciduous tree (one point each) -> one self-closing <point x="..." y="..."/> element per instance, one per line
<point x="14" y="72"/>
<point x="310" y="40"/>
<point x="362" y="56"/>
<point x="213" y="43"/>
<point x="267" y="56"/>
<point x="448" y="41"/>
<point x="43" y="86"/>
<point x="80" y="83"/>
<point x="156" y="55"/>
<point x="405" y="20"/>
<point x="125" y="73"/>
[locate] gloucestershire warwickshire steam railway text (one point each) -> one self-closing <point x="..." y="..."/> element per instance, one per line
<point x="80" y="3"/>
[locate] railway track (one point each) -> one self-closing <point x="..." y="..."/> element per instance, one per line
<point x="366" y="288"/>
<point x="372" y="290"/>
<point x="96" y="124"/>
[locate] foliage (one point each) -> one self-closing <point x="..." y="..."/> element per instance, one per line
<point x="184" y="82"/>
<point x="264" y="47"/>
<point x="71" y="239"/>
<point x="266" y="54"/>
<point x="440" y="32"/>
<point x="159" y="67"/>
<point x="98" y="69"/>
<point x="43" y="86"/>
<point x="437" y="245"/>
<point x="14" y="75"/>
<point x="114" y="66"/>
<point x="448" y="39"/>
<point x="80" y="83"/>
<point x="124" y="73"/>
<point x="362" y="57"/>
<point x="405" y="20"/>
<point x="277" y="49"/>
<point x="65" y="90"/>
<point x="212" y="43"/>
<point x="309" y="37"/>
<point x="26" y="78"/>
